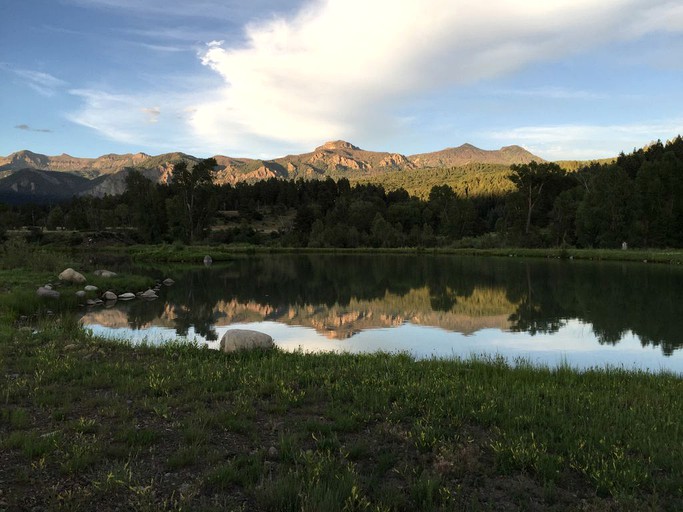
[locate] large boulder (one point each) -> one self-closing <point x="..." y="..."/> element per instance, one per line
<point x="244" y="339"/>
<point x="47" y="293"/>
<point x="72" y="276"/>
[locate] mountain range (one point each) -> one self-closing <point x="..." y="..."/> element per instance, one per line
<point x="25" y="175"/>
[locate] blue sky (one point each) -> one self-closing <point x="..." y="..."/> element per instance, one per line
<point x="264" y="78"/>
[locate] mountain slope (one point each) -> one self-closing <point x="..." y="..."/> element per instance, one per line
<point x="42" y="186"/>
<point x="468" y="154"/>
<point x="333" y="159"/>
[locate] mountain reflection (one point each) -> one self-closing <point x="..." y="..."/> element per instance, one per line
<point x="339" y="296"/>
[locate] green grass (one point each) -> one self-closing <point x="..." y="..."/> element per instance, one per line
<point x="183" y="427"/>
<point x="196" y="253"/>
<point x="92" y="424"/>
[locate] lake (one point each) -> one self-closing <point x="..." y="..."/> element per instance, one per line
<point x="582" y="313"/>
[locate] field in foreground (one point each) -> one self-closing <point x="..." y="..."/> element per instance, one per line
<point x="93" y="425"/>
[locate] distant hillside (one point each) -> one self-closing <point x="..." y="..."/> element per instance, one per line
<point x="334" y="159"/>
<point x="468" y="154"/>
<point x="41" y="186"/>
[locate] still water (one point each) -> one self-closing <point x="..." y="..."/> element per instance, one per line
<point x="585" y="314"/>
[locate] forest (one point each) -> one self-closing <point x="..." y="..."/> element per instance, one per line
<point x="633" y="200"/>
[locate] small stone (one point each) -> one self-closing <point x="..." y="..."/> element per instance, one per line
<point x="109" y="295"/>
<point x="90" y="288"/>
<point x="168" y="281"/>
<point x="149" y="294"/>
<point x="80" y="294"/>
<point x="105" y="273"/>
<point x="208" y="260"/>
<point x="47" y="293"/>
<point x="272" y="453"/>
<point x="127" y="296"/>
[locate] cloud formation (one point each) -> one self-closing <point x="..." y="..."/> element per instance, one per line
<point x="43" y="83"/>
<point x="343" y="68"/>
<point x="27" y="128"/>
<point x="340" y="66"/>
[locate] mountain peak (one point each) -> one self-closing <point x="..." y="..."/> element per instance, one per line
<point x="337" y="144"/>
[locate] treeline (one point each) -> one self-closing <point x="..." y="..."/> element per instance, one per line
<point x="636" y="199"/>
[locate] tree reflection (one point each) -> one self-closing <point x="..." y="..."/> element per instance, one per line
<point x="614" y="298"/>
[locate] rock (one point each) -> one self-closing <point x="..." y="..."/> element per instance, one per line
<point x="168" y="281"/>
<point x="243" y="339"/>
<point x="47" y="293"/>
<point x="80" y="294"/>
<point x="93" y="302"/>
<point x="48" y="286"/>
<point x="208" y="260"/>
<point x="90" y="288"/>
<point x="105" y="273"/>
<point x="72" y="276"/>
<point x="149" y="294"/>
<point x="272" y="453"/>
<point x="109" y="296"/>
<point x="127" y="296"/>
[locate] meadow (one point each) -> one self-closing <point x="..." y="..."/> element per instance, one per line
<point x="93" y="424"/>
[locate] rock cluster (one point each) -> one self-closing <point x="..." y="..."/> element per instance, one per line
<point x="108" y="297"/>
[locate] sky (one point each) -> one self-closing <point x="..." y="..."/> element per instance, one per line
<point x="566" y="79"/>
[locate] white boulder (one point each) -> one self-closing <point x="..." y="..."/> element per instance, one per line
<point x="72" y="276"/>
<point x="244" y="339"/>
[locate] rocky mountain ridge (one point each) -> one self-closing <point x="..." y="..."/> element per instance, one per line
<point x="334" y="159"/>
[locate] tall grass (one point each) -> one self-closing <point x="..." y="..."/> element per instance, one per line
<point x="290" y="431"/>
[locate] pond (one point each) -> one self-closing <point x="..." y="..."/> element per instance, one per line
<point x="582" y="313"/>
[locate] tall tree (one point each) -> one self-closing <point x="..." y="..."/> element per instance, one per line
<point x="531" y="179"/>
<point x="146" y="207"/>
<point x="192" y="187"/>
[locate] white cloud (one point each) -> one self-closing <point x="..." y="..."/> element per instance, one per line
<point x="340" y="68"/>
<point x="43" y="83"/>
<point x="340" y="65"/>
<point x="129" y="119"/>
<point x="583" y="142"/>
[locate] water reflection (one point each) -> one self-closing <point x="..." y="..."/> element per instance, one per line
<point x="340" y="297"/>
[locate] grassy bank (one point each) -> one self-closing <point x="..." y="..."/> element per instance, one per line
<point x="88" y="424"/>
<point x="196" y="253"/>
